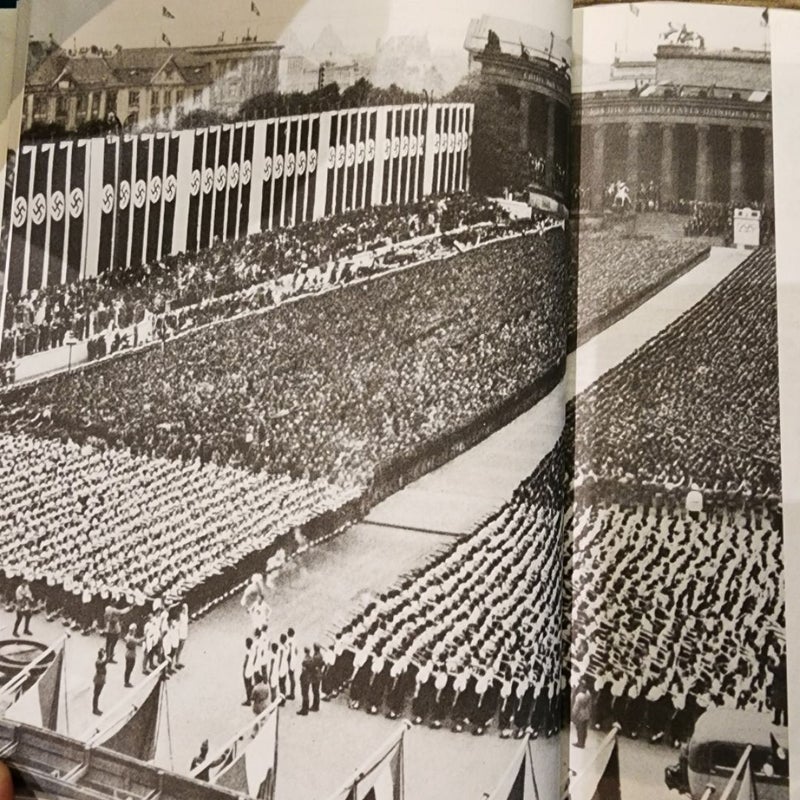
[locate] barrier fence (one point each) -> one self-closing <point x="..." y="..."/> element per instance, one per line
<point x="81" y="207"/>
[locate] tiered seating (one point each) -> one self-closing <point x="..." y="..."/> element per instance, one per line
<point x="476" y="632"/>
<point x="122" y="297"/>
<point x="333" y="386"/>
<point x="619" y="271"/>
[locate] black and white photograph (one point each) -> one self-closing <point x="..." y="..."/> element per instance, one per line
<point x="283" y="348"/>
<point x="674" y="576"/>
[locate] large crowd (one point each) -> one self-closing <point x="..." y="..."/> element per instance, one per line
<point x="697" y="404"/>
<point x="616" y="270"/>
<point x="674" y="590"/>
<point x="99" y="308"/>
<point x="473" y="638"/>
<point x="90" y="523"/>
<point x="329" y="387"/>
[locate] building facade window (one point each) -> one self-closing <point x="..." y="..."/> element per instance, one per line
<point x="39" y="106"/>
<point x="133" y="98"/>
<point x="178" y="96"/>
<point x="95" y="105"/>
<point x="111" y="102"/>
<point x="198" y="96"/>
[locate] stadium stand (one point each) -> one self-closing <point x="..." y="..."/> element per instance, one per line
<point x="618" y="273"/>
<point x="96" y="308"/>
<point x="275" y="414"/>
<point x="675" y="556"/>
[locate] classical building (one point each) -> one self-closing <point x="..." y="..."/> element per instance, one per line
<point x="530" y="67"/>
<point x="696" y="122"/>
<point x="152" y="83"/>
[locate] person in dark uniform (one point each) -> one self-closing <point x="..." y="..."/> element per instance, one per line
<point x="132" y="641"/>
<point x="581" y="713"/>
<point x="113" y="614"/>
<point x="317" y="668"/>
<point x="306" y="669"/>
<point x="778" y="693"/>
<point x="99" y="681"/>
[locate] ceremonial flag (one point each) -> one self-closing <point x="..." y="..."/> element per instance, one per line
<point x="135" y="734"/>
<point x="385" y="780"/>
<point x="765" y="18"/>
<point x="254" y="9"/>
<point x="165" y="12"/>
<point x="633" y="9"/>
<point x="252" y="770"/>
<point x="39" y="704"/>
<point x="600" y="779"/>
<point x="747" y="789"/>
<point x="166" y="40"/>
<point x="517" y="783"/>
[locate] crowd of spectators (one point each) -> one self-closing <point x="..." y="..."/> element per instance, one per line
<point x="333" y="385"/>
<point x="472" y="638"/>
<point x="697" y="404"/>
<point x="674" y="570"/>
<point x="122" y="297"/>
<point x="616" y="269"/>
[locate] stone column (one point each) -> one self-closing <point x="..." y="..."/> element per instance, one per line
<point x="737" y="167"/>
<point x="525" y="120"/>
<point x="769" y="172"/>
<point x="702" y="177"/>
<point x="550" y="157"/>
<point x="632" y="167"/>
<point x="667" y="163"/>
<point x="598" y="176"/>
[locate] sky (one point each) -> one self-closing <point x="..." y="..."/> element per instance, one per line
<point x="358" y="23"/>
<point x="723" y="27"/>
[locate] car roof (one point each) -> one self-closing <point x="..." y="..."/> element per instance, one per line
<point x="738" y="727"/>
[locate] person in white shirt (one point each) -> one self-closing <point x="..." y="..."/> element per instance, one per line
<point x="292" y="661"/>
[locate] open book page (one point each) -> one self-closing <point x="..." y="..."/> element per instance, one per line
<point x="676" y="596"/>
<point x="281" y="432"/>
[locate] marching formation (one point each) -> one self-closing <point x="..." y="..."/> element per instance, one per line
<point x="675" y="560"/>
<point x="474" y="636"/>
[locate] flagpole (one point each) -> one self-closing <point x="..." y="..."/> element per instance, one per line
<point x="20" y="677"/>
<point x="64" y="684"/>
<point x="533" y="772"/>
<point x="111" y="715"/>
<point x="235" y="738"/>
<point x="609" y="738"/>
<point x="169" y="727"/>
<point x="514" y="765"/>
<point x="728" y="790"/>
<point x="379" y="754"/>
<point x="275" y="756"/>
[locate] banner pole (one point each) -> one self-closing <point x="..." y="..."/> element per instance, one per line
<point x="377" y="756"/>
<point x="743" y="761"/>
<point x="274" y="788"/>
<point x="112" y="714"/>
<point x="609" y="739"/>
<point x="238" y="735"/>
<point x="64" y="689"/>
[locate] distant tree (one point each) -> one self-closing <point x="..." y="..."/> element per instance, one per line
<point x="496" y="160"/>
<point x="199" y="118"/>
<point x="42" y="131"/>
<point x="91" y="127"/>
<point x="359" y="94"/>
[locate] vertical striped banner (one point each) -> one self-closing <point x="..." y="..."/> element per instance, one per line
<point x="187" y="196"/>
<point x="257" y="177"/>
<point x="322" y="165"/>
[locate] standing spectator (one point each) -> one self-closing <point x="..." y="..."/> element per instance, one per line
<point x="248" y="670"/>
<point x="151" y="643"/>
<point x="273" y="670"/>
<point x="581" y="713"/>
<point x="131" y="643"/>
<point x="24" y="606"/>
<point x="778" y="693"/>
<point x="306" y="670"/>
<point x="99" y="681"/>
<point x="291" y="661"/>
<point x="183" y="633"/>
<point x="317" y="668"/>
<point x="283" y="667"/>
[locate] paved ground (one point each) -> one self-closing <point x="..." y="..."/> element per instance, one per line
<point x="316" y="593"/>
